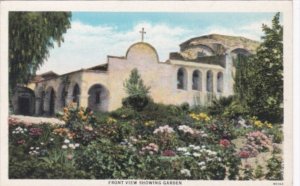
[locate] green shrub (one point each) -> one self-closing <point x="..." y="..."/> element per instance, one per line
<point x="276" y="133"/>
<point x="106" y="160"/>
<point x="124" y="113"/>
<point x="137" y="92"/>
<point x="274" y="168"/>
<point x="218" y="106"/>
<point x="258" y="172"/>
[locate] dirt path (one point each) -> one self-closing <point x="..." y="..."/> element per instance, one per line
<point x="31" y="120"/>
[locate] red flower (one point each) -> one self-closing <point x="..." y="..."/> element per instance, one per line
<point x="213" y="127"/>
<point x="35" y="131"/>
<point x="244" y="154"/>
<point x="20" y="142"/>
<point x="224" y="143"/>
<point x="169" y="153"/>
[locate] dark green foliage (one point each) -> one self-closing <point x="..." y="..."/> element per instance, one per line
<point x="247" y="173"/>
<point x="259" y="78"/>
<point x="275" y="168"/>
<point x="31" y="34"/>
<point x="218" y="105"/>
<point x="137" y="102"/>
<point x="137" y="92"/>
<point x="258" y="173"/>
<point x="124" y="113"/>
<point x="106" y="160"/>
<point x="276" y="133"/>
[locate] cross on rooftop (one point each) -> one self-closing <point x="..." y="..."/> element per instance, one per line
<point x="143" y="33"/>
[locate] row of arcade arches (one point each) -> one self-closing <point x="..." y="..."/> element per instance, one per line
<point x="50" y="100"/>
<point x="182" y="80"/>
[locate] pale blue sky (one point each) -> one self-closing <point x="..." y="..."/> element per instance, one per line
<point x="94" y="35"/>
<point x="126" y="20"/>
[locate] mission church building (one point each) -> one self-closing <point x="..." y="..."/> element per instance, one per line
<point x="202" y="70"/>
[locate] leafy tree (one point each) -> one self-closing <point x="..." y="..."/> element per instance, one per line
<point x="259" y="78"/>
<point x="137" y="92"/>
<point x="31" y="35"/>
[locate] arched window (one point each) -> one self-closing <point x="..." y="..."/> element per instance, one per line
<point x="182" y="79"/>
<point x="220" y="82"/>
<point x="76" y="93"/>
<point x="98" y="99"/>
<point x="209" y="81"/>
<point x="52" y="102"/>
<point x="197" y="78"/>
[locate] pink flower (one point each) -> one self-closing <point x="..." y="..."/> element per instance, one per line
<point x="244" y="154"/>
<point x="224" y="143"/>
<point x="35" y="131"/>
<point x="20" y="142"/>
<point x="168" y="153"/>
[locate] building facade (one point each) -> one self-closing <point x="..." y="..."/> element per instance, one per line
<point x="202" y="70"/>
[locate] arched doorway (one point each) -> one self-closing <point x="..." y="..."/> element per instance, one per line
<point x="76" y="94"/>
<point x="220" y="82"/>
<point x="181" y="79"/>
<point x="62" y="95"/>
<point x="24" y="101"/>
<point x="209" y="81"/>
<point x="49" y="103"/>
<point x="197" y="79"/>
<point x="98" y="98"/>
<point x="52" y="103"/>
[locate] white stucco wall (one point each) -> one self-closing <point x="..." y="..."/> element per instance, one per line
<point x="160" y="76"/>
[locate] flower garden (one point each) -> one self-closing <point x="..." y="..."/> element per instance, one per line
<point x="158" y="142"/>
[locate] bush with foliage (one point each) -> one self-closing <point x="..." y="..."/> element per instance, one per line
<point x="137" y="92"/>
<point x="259" y="78"/>
<point x="275" y="168"/>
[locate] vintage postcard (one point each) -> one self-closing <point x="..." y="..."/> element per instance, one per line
<point x="146" y="93"/>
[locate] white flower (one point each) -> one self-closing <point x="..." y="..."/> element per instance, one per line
<point x="196" y="148"/>
<point x="72" y="146"/>
<point x="64" y="147"/>
<point x="203" y="147"/>
<point x="201" y="163"/>
<point x="31" y="148"/>
<point x="14" y="132"/>
<point x="42" y="143"/>
<point x="186" y="172"/>
<point x="77" y="145"/>
<point x="37" y="148"/>
<point x="213" y="153"/>
<point x="203" y="168"/>
<point x="51" y="139"/>
<point x="67" y="141"/>
<point x="187" y="154"/>
<point x="196" y="154"/>
<point x="183" y="149"/>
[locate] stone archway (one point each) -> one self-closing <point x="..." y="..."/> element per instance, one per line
<point x="98" y="99"/>
<point x="209" y="81"/>
<point x="182" y="78"/>
<point x="24" y="101"/>
<point x="76" y="95"/>
<point x="197" y="80"/>
<point x="220" y="82"/>
<point x="50" y="101"/>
